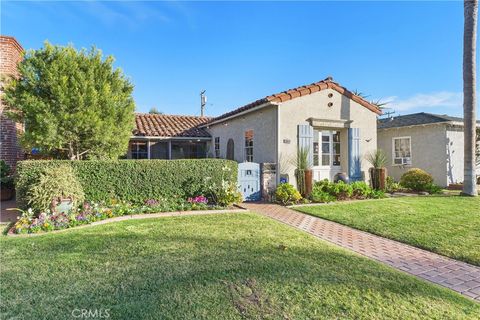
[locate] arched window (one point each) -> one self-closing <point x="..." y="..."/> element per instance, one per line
<point x="230" y="150"/>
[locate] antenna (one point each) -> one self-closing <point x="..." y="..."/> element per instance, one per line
<point x="389" y="114"/>
<point x="203" y="102"/>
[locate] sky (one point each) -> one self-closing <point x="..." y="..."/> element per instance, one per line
<point x="408" y="54"/>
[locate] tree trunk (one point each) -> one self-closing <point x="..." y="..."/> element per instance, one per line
<point x="469" y="95"/>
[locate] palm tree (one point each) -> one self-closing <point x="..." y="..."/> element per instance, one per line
<point x="470" y="12"/>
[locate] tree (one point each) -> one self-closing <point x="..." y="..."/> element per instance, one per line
<point x="154" y="110"/>
<point x="74" y="104"/>
<point x="469" y="95"/>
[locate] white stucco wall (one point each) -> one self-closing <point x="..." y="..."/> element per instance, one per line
<point x="455" y="154"/>
<point x="299" y="110"/>
<point x="429" y="150"/>
<point x="263" y="124"/>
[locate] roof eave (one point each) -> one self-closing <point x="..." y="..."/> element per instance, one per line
<point x="263" y="105"/>
<point x="169" y="138"/>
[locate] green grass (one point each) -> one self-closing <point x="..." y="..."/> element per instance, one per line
<point x="446" y="225"/>
<point x="209" y="267"/>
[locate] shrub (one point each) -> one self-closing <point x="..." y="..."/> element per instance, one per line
<point x="326" y="191"/>
<point x="432" y="188"/>
<point x="134" y="180"/>
<point x="6" y="179"/>
<point x="225" y="193"/>
<point x="319" y="195"/>
<point x="287" y="194"/>
<point x="52" y="184"/>
<point x="340" y="190"/>
<point x="416" y="180"/>
<point x="361" y="190"/>
<point x="392" y="186"/>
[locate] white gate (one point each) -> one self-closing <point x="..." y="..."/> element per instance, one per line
<point x="249" y="181"/>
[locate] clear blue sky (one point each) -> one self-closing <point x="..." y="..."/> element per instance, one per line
<point x="409" y="53"/>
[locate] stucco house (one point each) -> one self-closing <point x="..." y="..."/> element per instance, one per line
<point x="335" y="125"/>
<point x="427" y="141"/>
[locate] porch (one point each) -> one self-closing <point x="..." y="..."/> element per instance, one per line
<point x="335" y="147"/>
<point x="168" y="149"/>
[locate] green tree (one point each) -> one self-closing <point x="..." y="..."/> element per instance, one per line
<point x="154" y="110"/>
<point x="74" y="104"/>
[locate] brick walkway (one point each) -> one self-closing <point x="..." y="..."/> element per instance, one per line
<point x="459" y="276"/>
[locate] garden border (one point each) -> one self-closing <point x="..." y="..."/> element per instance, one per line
<point x="133" y="217"/>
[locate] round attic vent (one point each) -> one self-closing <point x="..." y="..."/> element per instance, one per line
<point x="330" y="104"/>
<point x="330" y="95"/>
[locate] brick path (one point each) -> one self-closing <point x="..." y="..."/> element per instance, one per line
<point x="459" y="276"/>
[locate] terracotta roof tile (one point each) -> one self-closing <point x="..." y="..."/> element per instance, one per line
<point x="303" y="91"/>
<point x="161" y="125"/>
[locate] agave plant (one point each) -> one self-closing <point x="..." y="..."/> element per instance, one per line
<point x="377" y="158"/>
<point x="302" y="164"/>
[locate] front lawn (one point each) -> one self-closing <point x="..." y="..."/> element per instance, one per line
<point x="228" y="266"/>
<point x="446" y="225"/>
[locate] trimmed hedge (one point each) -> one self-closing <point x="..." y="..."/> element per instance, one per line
<point x="133" y="180"/>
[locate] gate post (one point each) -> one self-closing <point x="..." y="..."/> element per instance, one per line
<point x="268" y="180"/>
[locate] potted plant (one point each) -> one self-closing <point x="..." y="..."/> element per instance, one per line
<point x="303" y="172"/>
<point x="6" y="180"/>
<point x="378" y="172"/>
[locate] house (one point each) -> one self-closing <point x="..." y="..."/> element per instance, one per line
<point x="431" y="142"/>
<point x="334" y="125"/>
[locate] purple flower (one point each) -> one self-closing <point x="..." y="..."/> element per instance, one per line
<point x="151" y="202"/>
<point x="198" y="200"/>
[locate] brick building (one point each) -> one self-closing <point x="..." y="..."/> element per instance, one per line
<point x="11" y="53"/>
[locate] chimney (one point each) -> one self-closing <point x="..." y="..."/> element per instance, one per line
<point x="11" y="53"/>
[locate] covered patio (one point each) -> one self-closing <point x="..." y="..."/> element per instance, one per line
<point x="159" y="136"/>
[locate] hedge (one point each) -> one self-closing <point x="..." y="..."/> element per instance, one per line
<point x="133" y="180"/>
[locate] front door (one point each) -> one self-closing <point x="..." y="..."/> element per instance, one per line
<point x="326" y="156"/>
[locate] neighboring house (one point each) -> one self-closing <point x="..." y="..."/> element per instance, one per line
<point x="11" y="53"/>
<point x="427" y="141"/>
<point x="159" y="136"/>
<point x="336" y="126"/>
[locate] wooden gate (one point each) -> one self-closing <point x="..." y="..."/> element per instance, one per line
<point x="249" y="181"/>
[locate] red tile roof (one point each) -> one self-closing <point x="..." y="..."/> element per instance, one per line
<point x="327" y="83"/>
<point x="161" y="125"/>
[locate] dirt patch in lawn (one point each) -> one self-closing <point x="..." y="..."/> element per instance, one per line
<point x="252" y="302"/>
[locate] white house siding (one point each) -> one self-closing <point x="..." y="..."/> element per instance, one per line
<point x="429" y="150"/>
<point x="455" y="152"/>
<point x="299" y="110"/>
<point x="262" y="122"/>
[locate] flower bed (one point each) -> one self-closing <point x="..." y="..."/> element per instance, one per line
<point x="326" y="191"/>
<point x="90" y="212"/>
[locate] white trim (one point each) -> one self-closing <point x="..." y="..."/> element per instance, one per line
<point x="393" y="152"/>
<point x="245" y="147"/>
